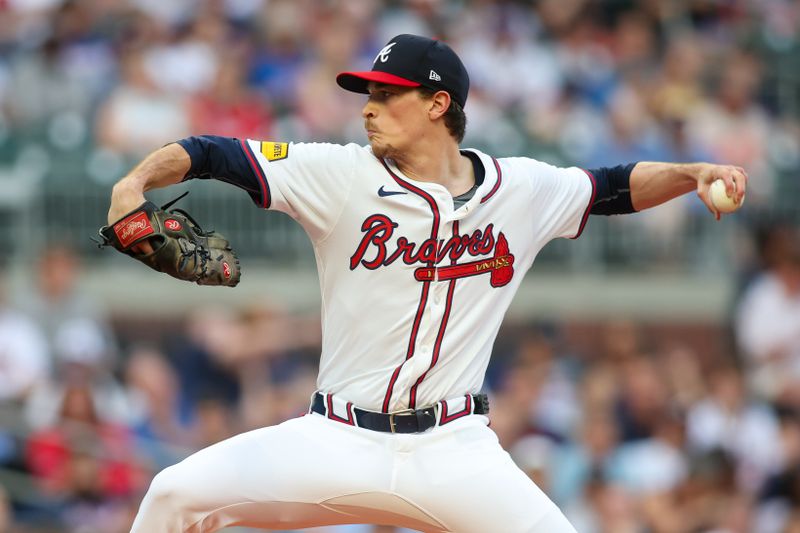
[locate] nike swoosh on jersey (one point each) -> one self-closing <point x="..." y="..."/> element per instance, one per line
<point x="382" y="192"/>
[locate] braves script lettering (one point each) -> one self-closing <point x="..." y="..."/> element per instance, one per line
<point x="377" y="249"/>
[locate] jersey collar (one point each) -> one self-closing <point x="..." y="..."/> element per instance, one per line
<point x="487" y="190"/>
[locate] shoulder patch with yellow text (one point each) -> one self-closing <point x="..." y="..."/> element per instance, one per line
<point x="274" y="151"/>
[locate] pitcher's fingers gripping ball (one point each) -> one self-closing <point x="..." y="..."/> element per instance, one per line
<point x="721" y="200"/>
<point x="180" y="247"/>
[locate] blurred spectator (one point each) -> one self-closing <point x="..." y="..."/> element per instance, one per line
<point x="80" y="340"/>
<point x="677" y="89"/>
<point x="655" y="465"/>
<point x="654" y="470"/>
<point x="513" y="402"/>
<point x="190" y="63"/>
<point x="278" y="356"/>
<point x="577" y="465"/>
<point x="24" y="353"/>
<point x="607" y="507"/>
<point x="634" y="43"/>
<point x="24" y="366"/>
<point x="281" y="48"/>
<point x="323" y="109"/>
<point x="214" y="421"/>
<point x="137" y="114"/>
<point x="229" y="108"/>
<point x="779" y="505"/>
<point x="728" y="420"/>
<point x="619" y="341"/>
<point x="505" y="61"/>
<point x="555" y="410"/>
<point x="249" y="364"/>
<point x="75" y="324"/>
<point x="533" y="454"/>
<point x="584" y="53"/>
<point x="421" y="17"/>
<point x="631" y="134"/>
<point x="40" y="86"/>
<point x="201" y="370"/>
<point x="172" y="12"/>
<point x="88" y="464"/>
<point x="153" y="392"/>
<point x="709" y="500"/>
<point x="681" y="370"/>
<point x="80" y="361"/>
<point x="768" y="318"/>
<point x="642" y="400"/>
<point x="599" y="389"/>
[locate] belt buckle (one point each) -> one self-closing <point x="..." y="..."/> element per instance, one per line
<point x="393" y="414"/>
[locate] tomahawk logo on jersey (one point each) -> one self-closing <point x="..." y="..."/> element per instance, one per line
<point x="438" y="270"/>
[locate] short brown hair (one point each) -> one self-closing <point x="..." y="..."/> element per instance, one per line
<point x="454" y="118"/>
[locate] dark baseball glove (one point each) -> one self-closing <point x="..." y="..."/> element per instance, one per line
<point x="180" y="247"/>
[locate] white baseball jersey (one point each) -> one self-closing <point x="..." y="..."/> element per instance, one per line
<point x="413" y="291"/>
<point x="413" y="294"/>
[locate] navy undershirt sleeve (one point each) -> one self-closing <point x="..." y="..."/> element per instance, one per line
<point x="223" y="159"/>
<point x="613" y="193"/>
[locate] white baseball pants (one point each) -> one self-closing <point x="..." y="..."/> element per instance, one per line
<point x="313" y="471"/>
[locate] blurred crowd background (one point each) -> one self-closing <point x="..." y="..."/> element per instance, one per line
<point x="630" y="424"/>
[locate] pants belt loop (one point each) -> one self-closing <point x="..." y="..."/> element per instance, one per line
<point x="352" y="413"/>
<point x="311" y="402"/>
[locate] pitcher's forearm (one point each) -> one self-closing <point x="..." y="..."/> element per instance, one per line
<point x="654" y="183"/>
<point x="166" y="166"/>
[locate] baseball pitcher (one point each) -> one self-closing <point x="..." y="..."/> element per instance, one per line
<point x="420" y="247"/>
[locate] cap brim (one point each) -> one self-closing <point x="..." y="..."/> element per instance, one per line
<point x="357" y="81"/>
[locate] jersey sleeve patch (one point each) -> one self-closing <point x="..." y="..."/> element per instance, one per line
<point x="274" y="151"/>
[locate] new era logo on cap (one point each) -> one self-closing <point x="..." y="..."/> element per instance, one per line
<point x="413" y="61"/>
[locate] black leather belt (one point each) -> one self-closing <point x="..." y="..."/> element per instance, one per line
<point x="409" y="421"/>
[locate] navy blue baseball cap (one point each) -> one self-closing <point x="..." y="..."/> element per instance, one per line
<point x="413" y="61"/>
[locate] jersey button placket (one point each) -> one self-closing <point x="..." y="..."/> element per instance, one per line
<point x="439" y="292"/>
<point x="445" y="230"/>
<point x="440" y="288"/>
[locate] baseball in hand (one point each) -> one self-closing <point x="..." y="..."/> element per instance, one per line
<point x="720" y="198"/>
